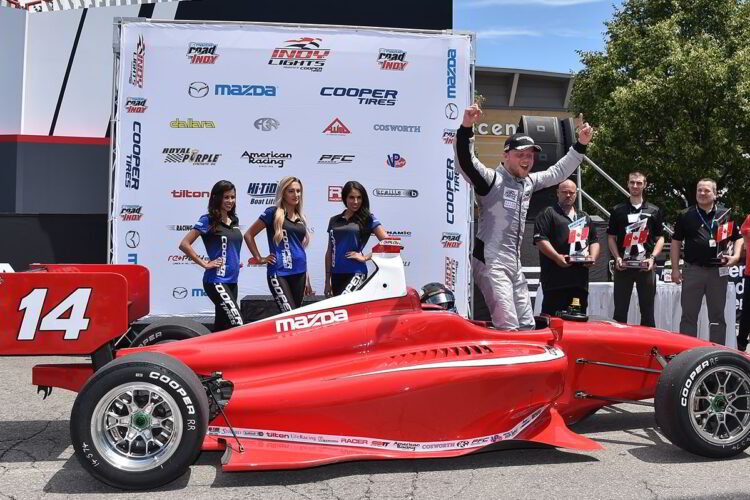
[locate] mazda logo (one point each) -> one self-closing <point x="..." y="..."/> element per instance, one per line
<point x="266" y="124"/>
<point x="198" y="89"/>
<point x="179" y="292"/>
<point x="132" y="239"/>
<point x="451" y="111"/>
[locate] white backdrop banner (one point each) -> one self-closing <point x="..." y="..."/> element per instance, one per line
<point x="197" y="103"/>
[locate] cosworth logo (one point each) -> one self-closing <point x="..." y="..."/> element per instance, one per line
<point x="311" y="320"/>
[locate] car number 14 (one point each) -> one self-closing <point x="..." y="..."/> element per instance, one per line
<point x="73" y="325"/>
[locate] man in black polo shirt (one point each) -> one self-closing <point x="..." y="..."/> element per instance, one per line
<point x="628" y="218"/>
<point x="706" y="231"/>
<point x="560" y="231"/>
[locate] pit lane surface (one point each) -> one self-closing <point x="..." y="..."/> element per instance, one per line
<point x="36" y="461"/>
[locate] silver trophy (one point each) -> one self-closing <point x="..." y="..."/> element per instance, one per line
<point x="578" y="236"/>
<point x="724" y="228"/>
<point x="636" y="234"/>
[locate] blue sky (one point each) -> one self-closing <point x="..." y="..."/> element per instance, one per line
<point x="540" y="35"/>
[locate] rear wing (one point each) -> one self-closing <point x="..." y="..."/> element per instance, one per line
<point x="69" y="309"/>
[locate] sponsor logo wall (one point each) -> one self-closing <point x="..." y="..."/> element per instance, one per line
<point x="254" y="104"/>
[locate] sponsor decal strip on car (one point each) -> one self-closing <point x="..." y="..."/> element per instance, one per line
<point x="378" y="443"/>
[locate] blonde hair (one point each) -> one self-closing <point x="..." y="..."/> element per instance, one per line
<point x="278" y="217"/>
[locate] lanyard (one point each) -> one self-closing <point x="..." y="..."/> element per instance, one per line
<point x="703" y="220"/>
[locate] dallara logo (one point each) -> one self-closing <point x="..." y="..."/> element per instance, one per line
<point x="310" y="320"/>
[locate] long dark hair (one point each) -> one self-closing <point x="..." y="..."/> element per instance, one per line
<point x="362" y="215"/>
<point x="214" y="203"/>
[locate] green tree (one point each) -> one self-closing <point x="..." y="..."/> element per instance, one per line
<point x="670" y="95"/>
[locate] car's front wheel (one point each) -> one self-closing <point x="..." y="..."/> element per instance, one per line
<point x="703" y="402"/>
<point x="140" y="420"/>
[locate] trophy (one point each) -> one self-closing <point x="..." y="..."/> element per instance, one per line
<point x="636" y="235"/>
<point x="723" y="232"/>
<point x="578" y="235"/>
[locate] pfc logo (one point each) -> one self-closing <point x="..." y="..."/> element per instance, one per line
<point x="334" y="193"/>
<point x="335" y="159"/>
<point x="302" y="53"/>
<point x="202" y="53"/>
<point x="395" y="161"/>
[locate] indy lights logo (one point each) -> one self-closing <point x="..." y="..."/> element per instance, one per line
<point x="311" y="320"/>
<point x="303" y="53"/>
<point x="139" y="61"/>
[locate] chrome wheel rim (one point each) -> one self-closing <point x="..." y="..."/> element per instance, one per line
<point x="719" y="405"/>
<point x="136" y="427"/>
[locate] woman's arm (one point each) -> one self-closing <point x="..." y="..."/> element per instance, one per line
<point x="186" y="245"/>
<point x="380" y="233"/>
<point x="249" y="237"/>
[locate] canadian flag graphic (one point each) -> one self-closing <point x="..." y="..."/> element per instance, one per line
<point x="724" y="230"/>
<point x="578" y="234"/>
<point x="636" y="238"/>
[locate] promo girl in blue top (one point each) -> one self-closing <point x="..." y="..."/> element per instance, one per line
<point x="348" y="233"/>
<point x="286" y="229"/>
<point x="222" y="237"/>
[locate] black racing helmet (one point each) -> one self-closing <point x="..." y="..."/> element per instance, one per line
<point x="438" y="294"/>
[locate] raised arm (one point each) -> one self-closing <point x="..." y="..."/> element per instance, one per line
<point x="481" y="177"/>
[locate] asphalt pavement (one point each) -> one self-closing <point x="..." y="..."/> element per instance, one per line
<point x="36" y="461"/>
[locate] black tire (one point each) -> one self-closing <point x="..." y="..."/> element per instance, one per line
<point x="161" y="377"/>
<point x="169" y="330"/>
<point x="690" y="403"/>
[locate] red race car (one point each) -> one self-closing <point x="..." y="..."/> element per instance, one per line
<point x="374" y="374"/>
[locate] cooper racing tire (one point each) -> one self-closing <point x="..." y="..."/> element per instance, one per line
<point x="169" y="330"/>
<point x="702" y="402"/>
<point x="139" y="422"/>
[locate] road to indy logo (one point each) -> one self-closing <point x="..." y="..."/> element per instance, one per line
<point x="202" y="53"/>
<point x="393" y="59"/>
<point x="310" y="320"/>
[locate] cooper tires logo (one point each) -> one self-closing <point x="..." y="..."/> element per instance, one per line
<point x="179" y="292"/>
<point x="132" y="239"/>
<point x="198" y="89"/>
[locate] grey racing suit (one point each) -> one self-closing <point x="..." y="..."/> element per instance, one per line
<point x="504" y="201"/>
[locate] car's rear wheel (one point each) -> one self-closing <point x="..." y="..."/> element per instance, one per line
<point x="703" y="402"/>
<point x="169" y="330"/>
<point x="139" y="422"/>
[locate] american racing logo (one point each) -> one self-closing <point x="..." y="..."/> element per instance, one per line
<point x="266" y="124"/>
<point x="451" y="187"/>
<point x="135" y="105"/>
<point x="377" y="97"/>
<point x="190" y="123"/>
<point x="189" y="155"/>
<point x="334" y="193"/>
<point x="451" y="240"/>
<point x="131" y="213"/>
<point x="395" y="161"/>
<point x="303" y="53"/>
<point x="270" y="159"/>
<point x="310" y="320"/>
<point x="133" y="160"/>
<point x="180" y="227"/>
<point x="186" y="193"/>
<point x="397" y="128"/>
<point x="449" y="136"/>
<point x="451" y="81"/>
<point x="395" y="193"/>
<point x="336" y="127"/>
<point x="202" y="53"/>
<point x="335" y="159"/>
<point x="451" y="271"/>
<point x="393" y="59"/>
<point x="198" y="89"/>
<point x="241" y="89"/>
<point x="139" y="60"/>
<point x="262" y="193"/>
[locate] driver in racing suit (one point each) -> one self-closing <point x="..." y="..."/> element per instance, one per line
<point x="503" y="196"/>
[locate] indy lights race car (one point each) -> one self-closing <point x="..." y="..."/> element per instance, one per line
<point x="374" y="374"/>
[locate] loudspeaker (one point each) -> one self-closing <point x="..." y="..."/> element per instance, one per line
<point x="548" y="156"/>
<point x="568" y="128"/>
<point x="543" y="129"/>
